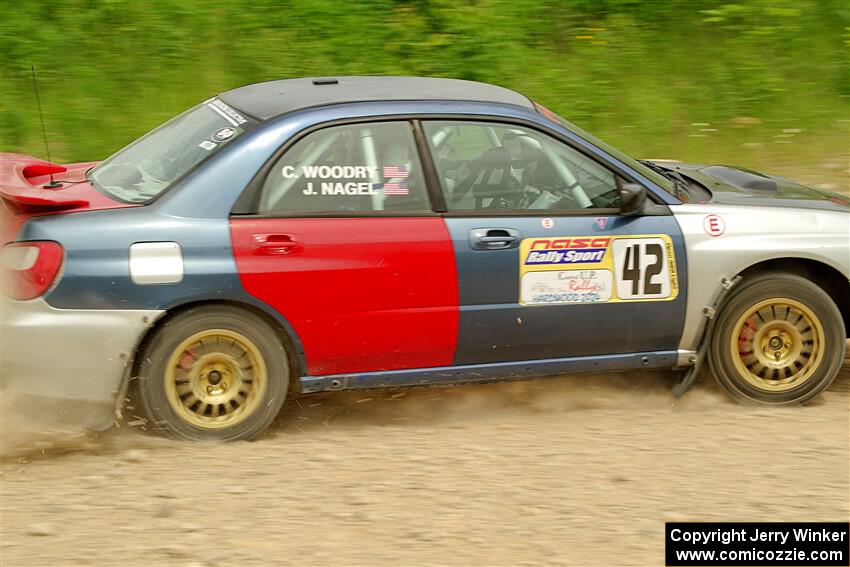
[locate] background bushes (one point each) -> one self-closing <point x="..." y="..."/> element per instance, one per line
<point x="751" y="82"/>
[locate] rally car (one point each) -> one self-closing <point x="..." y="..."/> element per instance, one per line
<point x="306" y="235"/>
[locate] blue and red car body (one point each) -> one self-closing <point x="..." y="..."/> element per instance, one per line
<point x="369" y="301"/>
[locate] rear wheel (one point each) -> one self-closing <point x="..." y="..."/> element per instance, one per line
<point x="213" y="373"/>
<point x="778" y="340"/>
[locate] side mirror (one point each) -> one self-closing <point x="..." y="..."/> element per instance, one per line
<point x="632" y="199"/>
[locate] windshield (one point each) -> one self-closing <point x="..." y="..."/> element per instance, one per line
<point x="655" y="177"/>
<point x="148" y="166"/>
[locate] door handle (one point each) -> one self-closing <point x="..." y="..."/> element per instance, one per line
<point x="494" y="238"/>
<point x="276" y="243"/>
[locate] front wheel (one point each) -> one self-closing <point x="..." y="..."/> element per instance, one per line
<point x="214" y="373"/>
<point x="778" y="340"/>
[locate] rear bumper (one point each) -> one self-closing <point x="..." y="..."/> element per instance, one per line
<point x="69" y="358"/>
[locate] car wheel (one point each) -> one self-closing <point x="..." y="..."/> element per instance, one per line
<point x="779" y="339"/>
<point x="214" y="373"/>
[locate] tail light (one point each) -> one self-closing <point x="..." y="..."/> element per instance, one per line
<point x="29" y="268"/>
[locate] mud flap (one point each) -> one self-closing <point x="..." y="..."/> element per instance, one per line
<point x="710" y="313"/>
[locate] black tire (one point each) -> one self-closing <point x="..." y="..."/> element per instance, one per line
<point x="783" y="302"/>
<point x="228" y="360"/>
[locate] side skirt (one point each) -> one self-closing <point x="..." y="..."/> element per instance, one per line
<point x="487" y="373"/>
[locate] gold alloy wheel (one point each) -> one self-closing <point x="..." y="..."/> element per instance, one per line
<point x="215" y="378"/>
<point x="777" y="344"/>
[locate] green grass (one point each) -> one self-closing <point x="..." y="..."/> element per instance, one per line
<point x="657" y="79"/>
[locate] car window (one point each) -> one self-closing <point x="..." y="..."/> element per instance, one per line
<point x="353" y="168"/>
<point x="483" y="166"/>
<point x="150" y="165"/>
<point x="655" y="177"/>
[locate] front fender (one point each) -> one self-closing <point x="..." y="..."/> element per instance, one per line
<point x="751" y="235"/>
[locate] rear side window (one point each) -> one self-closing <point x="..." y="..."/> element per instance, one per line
<point x="150" y="165"/>
<point x="348" y="169"/>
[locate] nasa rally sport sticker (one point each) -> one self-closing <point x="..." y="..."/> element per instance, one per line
<point x="564" y="270"/>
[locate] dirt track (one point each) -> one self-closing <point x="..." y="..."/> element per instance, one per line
<point x="576" y="471"/>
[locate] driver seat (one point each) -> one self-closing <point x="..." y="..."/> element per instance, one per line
<point x="492" y="178"/>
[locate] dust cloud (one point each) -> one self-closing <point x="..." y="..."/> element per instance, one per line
<point x="28" y="425"/>
<point x="38" y="429"/>
<point x="458" y="404"/>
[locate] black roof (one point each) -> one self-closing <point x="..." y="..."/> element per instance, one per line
<point x="273" y="98"/>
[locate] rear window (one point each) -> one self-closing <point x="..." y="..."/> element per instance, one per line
<point x="151" y="164"/>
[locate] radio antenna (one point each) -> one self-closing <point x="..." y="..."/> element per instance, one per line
<point x="53" y="184"/>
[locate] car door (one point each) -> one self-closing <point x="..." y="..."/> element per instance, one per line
<point x="547" y="266"/>
<point x="343" y="244"/>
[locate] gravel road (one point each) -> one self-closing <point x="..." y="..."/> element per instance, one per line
<point x="581" y="470"/>
<point x="575" y="471"/>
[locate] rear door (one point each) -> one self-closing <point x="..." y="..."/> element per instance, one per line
<point x="547" y="267"/>
<point x="344" y="246"/>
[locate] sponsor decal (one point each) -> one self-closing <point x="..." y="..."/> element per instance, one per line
<point x="226" y="112"/>
<point x="593" y="269"/>
<point x="581" y="256"/>
<point x="714" y="225"/>
<point x="547" y="223"/>
<point x="224" y="134"/>
<point x="576" y="286"/>
<point x="207" y="145"/>
<point x="559" y="243"/>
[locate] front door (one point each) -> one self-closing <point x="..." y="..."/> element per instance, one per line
<point x="547" y="267"/>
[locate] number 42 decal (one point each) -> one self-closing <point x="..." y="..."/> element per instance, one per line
<point x="642" y="267"/>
